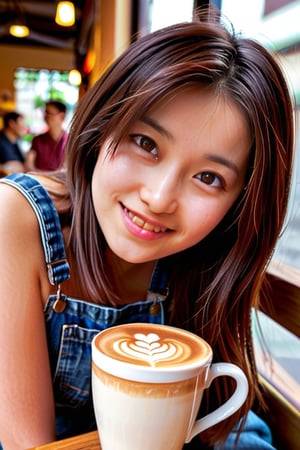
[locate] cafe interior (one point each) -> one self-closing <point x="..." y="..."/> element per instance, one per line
<point x="51" y="46"/>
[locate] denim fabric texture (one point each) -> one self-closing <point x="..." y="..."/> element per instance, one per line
<point x="71" y="328"/>
<point x="255" y="436"/>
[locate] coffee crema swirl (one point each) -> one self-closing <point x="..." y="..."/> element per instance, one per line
<point x="151" y="349"/>
<point x="150" y="346"/>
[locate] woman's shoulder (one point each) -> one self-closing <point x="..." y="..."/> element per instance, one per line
<point x="19" y="229"/>
<point x="20" y="232"/>
<point x="15" y="196"/>
<point x="23" y="268"/>
<point x="15" y="209"/>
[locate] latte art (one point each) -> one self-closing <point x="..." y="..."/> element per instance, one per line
<point x="151" y="348"/>
<point x="143" y="351"/>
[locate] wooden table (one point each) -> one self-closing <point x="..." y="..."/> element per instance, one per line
<point x="88" y="441"/>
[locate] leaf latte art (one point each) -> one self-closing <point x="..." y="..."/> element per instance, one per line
<point x="151" y="349"/>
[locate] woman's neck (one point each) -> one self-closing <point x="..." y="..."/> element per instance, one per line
<point x="131" y="280"/>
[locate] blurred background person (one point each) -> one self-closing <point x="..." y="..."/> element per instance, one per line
<point x="11" y="155"/>
<point x="47" y="149"/>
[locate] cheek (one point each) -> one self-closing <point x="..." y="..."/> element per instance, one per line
<point x="201" y="219"/>
<point x="109" y="177"/>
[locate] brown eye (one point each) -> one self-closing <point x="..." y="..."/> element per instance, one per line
<point x="211" y="179"/>
<point x="146" y="144"/>
<point x="208" y="178"/>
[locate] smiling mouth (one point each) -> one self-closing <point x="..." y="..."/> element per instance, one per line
<point x="144" y="225"/>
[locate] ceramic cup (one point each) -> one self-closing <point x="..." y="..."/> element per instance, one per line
<point x="147" y="383"/>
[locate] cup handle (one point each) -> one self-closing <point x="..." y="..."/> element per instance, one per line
<point x="230" y="406"/>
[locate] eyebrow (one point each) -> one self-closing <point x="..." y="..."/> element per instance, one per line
<point x="154" y="124"/>
<point x="224" y="161"/>
<point x="210" y="157"/>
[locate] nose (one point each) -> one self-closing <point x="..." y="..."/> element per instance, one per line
<point x="160" y="193"/>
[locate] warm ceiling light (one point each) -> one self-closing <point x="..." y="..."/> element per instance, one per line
<point x="65" y="14"/>
<point x="19" y="30"/>
<point x="74" y="77"/>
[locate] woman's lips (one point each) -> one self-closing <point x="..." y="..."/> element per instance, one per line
<point x="143" y="224"/>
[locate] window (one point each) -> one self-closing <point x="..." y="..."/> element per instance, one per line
<point x="33" y="88"/>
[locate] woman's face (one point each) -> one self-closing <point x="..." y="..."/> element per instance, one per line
<point x="173" y="178"/>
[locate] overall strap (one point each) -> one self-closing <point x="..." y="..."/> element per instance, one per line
<point x="47" y="216"/>
<point x="159" y="284"/>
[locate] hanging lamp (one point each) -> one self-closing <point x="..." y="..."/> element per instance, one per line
<point x="65" y="14"/>
<point x="19" y="30"/>
<point x="18" y="27"/>
<point x="75" y="77"/>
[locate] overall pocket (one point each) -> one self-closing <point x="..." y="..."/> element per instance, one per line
<point x="72" y="378"/>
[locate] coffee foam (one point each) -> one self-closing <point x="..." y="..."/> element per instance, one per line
<point x="135" y="350"/>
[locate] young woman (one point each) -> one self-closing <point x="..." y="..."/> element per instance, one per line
<point x="178" y="170"/>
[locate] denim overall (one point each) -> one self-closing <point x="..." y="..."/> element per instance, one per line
<point x="72" y="323"/>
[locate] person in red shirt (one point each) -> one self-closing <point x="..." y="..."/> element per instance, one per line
<point x="47" y="149"/>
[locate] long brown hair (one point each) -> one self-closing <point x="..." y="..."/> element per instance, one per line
<point x="214" y="284"/>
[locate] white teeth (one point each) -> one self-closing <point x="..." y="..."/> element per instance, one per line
<point x="145" y="225"/>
